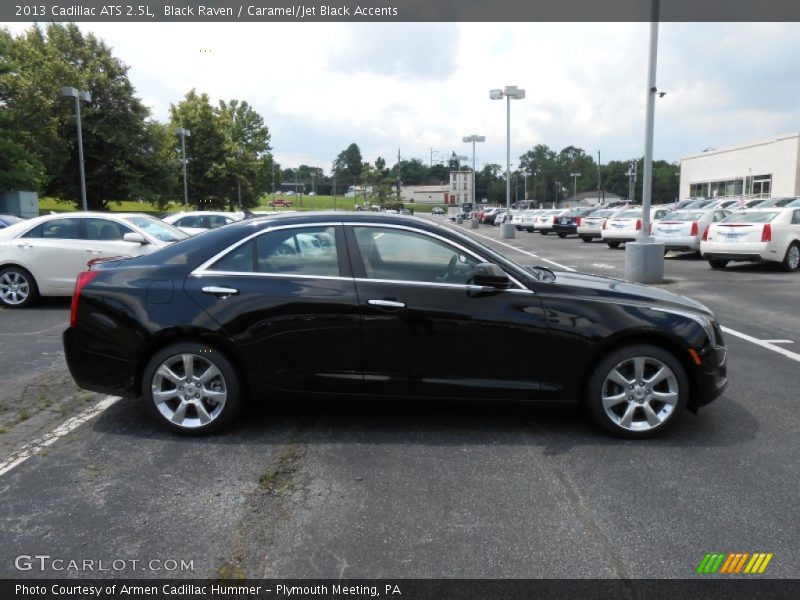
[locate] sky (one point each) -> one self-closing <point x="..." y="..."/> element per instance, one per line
<point x="422" y="87"/>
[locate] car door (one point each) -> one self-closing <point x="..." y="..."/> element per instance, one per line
<point x="428" y="332"/>
<point x="104" y="238"/>
<point x="53" y="252"/>
<point x="290" y="306"/>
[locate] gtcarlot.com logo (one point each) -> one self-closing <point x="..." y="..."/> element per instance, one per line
<point x="45" y="562"/>
<point x="734" y="563"/>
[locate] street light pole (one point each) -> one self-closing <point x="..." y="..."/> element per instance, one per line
<point x="575" y="185"/>
<point x="510" y="91"/>
<point x="184" y="133"/>
<point x="86" y="97"/>
<point x="474" y="138"/>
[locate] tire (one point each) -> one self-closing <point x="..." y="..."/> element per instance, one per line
<point x="613" y="244"/>
<point x="562" y="235"/>
<point x="717" y="263"/>
<point x="543" y="232"/>
<point x="529" y="230"/>
<point x="182" y="415"/>
<point x="18" y="288"/>
<point x="586" y="238"/>
<point x="792" y="259"/>
<point x="518" y="228"/>
<point x="632" y="410"/>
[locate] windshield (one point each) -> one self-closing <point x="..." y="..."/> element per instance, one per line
<point x="158" y="229"/>
<point x="752" y="217"/>
<point x="683" y="216"/>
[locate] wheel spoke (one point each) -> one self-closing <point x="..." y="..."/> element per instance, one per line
<point x="188" y="366"/>
<point x="169" y="374"/>
<point x="627" y="418"/>
<point x="652" y="418"/>
<point x="611" y="401"/>
<point x="660" y="376"/>
<point x="161" y="396"/>
<point x="666" y="397"/>
<point x="215" y="396"/>
<point x="208" y="374"/>
<point x="202" y="413"/>
<point x="638" y="365"/>
<point x="617" y="378"/>
<point x="180" y="414"/>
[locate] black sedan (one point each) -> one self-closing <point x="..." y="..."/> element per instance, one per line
<point x="381" y="305"/>
<point x="568" y="223"/>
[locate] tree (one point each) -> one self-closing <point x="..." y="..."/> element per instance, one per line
<point x="348" y="164"/>
<point x="115" y="135"/>
<point x="205" y="150"/>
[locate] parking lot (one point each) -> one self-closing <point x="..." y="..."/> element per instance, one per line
<point x="327" y="488"/>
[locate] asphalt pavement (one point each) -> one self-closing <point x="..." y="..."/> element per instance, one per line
<point x="327" y="488"/>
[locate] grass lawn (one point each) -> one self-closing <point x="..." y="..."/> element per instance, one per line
<point x="47" y="205"/>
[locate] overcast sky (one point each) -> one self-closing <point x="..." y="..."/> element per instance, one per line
<point x="417" y="86"/>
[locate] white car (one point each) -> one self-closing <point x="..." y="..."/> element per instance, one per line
<point x="755" y="235"/>
<point x="545" y="219"/>
<point x="682" y="230"/>
<point x="198" y="221"/>
<point x="43" y="256"/>
<point x="627" y="225"/>
<point x="528" y="221"/>
<point x="592" y="224"/>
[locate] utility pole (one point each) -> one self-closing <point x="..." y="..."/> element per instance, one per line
<point x="599" y="181"/>
<point x="398" y="175"/>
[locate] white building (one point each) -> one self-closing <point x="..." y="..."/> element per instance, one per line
<point x="426" y="194"/>
<point x="768" y="168"/>
<point x="461" y="186"/>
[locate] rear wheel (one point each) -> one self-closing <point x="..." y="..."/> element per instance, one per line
<point x="17" y="288"/>
<point x="191" y="388"/>
<point x="717" y="263"/>
<point x="586" y="238"/>
<point x="613" y="244"/>
<point x="638" y="391"/>
<point x="792" y="259"/>
<point x="543" y="232"/>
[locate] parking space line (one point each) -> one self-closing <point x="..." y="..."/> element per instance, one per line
<point x="552" y="262"/>
<point x="779" y="341"/>
<point x="20" y="456"/>
<point x="763" y="343"/>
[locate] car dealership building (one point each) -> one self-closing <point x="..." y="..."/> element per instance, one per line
<point x="767" y="168"/>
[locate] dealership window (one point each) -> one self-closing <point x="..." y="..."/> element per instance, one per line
<point x="758" y="186"/>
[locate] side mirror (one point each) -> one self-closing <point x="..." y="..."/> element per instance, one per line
<point x="489" y="275"/>
<point x="135" y="238"/>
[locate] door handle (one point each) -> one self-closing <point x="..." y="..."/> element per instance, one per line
<point x="222" y="292"/>
<point x="94" y="251"/>
<point x="25" y="246"/>
<point x="386" y="303"/>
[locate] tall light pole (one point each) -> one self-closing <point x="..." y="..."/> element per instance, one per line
<point x="574" y="184"/>
<point x="473" y="138"/>
<point x="184" y="133"/>
<point x="644" y="258"/>
<point x="525" y="175"/>
<point x="86" y="97"/>
<point x="510" y="91"/>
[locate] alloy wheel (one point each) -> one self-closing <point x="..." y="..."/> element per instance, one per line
<point x="189" y="390"/>
<point x="14" y="288"/>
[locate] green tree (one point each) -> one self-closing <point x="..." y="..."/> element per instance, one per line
<point x="348" y="165"/>
<point x="205" y="151"/>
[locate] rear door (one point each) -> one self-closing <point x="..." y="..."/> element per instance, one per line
<point x="290" y="305"/>
<point x="427" y="332"/>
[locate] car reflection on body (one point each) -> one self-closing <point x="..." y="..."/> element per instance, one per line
<point x="394" y="306"/>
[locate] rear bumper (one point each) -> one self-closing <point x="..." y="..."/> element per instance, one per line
<point x="568" y="229"/>
<point x="752" y="252"/>
<point x="97" y="372"/>
<point x="689" y="244"/>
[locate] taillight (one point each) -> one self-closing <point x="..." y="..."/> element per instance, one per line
<point x="766" y="233"/>
<point x="577" y="221"/>
<point x="694" y="228"/>
<point x="638" y="224"/>
<point x="83" y="279"/>
<point x="705" y="233"/>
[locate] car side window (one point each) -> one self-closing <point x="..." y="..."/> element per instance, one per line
<point x="796" y="217"/>
<point x="105" y="230"/>
<point x="296" y="251"/>
<point x="187" y="222"/>
<point x="57" y="229"/>
<point x="400" y="255"/>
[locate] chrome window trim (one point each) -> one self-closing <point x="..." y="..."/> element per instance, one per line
<point x="203" y="269"/>
<point x="440" y="238"/>
<point x="273" y="275"/>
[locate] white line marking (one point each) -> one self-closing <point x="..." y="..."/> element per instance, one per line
<point x="34" y="447"/>
<point x="763" y="344"/>
<point x="552" y="262"/>
<point x="778" y="341"/>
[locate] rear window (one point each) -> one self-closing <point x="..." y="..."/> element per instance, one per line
<point x="629" y="214"/>
<point x="601" y="213"/>
<point x="753" y="217"/>
<point x="683" y="216"/>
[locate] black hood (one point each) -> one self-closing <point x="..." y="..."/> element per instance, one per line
<point x="609" y="288"/>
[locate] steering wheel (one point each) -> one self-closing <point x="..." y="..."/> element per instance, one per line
<point x="451" y="268"/>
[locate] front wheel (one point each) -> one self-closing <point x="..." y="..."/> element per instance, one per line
<point x="792" y="259"/>
<point x="638" y="391"/>
<point x="17" y="288"/>
<point x="191" y="388"/>
<point x="613" y="244"/>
